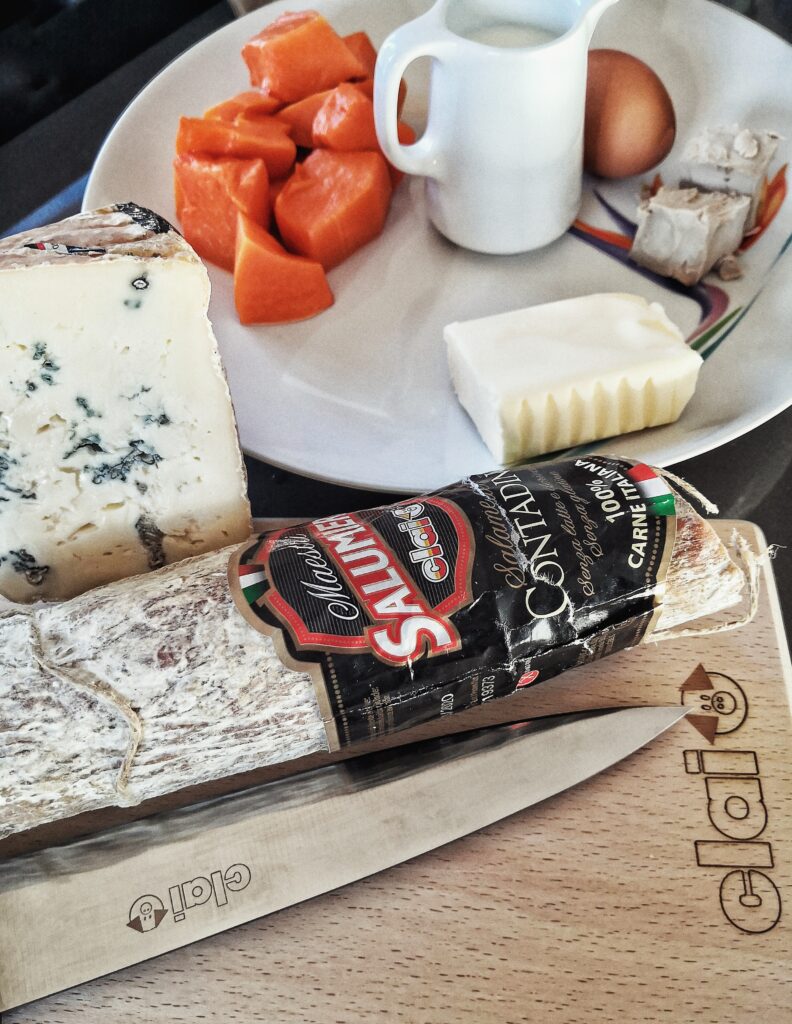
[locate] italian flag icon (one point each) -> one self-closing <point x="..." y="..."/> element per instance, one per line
<point x="252" y="579"/>
<point x="656" y="493"/>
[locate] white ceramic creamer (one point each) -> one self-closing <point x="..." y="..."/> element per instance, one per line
<point x="502" y="152"/>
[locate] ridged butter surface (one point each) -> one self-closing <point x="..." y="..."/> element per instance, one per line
<point x="564" y="373"/>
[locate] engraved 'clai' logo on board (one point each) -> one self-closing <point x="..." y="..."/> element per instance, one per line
<point x="735" y="805"/>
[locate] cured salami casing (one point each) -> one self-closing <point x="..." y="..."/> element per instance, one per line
<point x="162" y="681"/>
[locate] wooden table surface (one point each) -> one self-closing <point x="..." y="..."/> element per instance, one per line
<point x="660" y="890"/>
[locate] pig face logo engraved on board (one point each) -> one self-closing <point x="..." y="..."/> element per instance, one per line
<point x="718" y="697"/>
<point x="722" y="703"/>
<point x="146" y="913"/>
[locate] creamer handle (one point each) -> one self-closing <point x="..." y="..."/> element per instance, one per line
<point x="419" y="38"/>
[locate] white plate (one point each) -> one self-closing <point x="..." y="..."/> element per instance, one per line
<point x="360" y="395"/>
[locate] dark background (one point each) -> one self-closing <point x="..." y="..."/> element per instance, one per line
<point x="53" y="50"/>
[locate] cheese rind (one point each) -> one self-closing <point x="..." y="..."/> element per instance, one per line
<point x="118" y="446"/>
<point x="548" y="377"/>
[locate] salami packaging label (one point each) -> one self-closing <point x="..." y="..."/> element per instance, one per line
<point x="424" y="608"/>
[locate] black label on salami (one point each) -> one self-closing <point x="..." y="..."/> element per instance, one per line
<point x="435" y="604"/>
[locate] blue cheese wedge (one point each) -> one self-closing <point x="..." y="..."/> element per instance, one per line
<point x="118" y="446"/>
<point x="548" y="377"/>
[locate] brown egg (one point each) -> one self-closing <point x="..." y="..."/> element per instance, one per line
<point x="630" y="121"/>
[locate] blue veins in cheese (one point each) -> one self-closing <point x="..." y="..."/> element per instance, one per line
<point x="548" y="377"/>
<point x="118" y="446"/>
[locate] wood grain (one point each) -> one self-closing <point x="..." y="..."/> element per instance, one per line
<point x="591" y="907"/>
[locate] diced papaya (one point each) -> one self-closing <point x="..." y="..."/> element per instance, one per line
<point x="215" y="181"/>
<point x="271" y="285"/>
<point x="267" y="140"/>
<point x="333" y="204"/>
<point x="178" y="193"/>
<point x="253" y="116"/>
<point x="254" y="100"/>
<point x="297" y="55"/>
<point x="275" y="189"/>
<point x="345" y="120"/>
<point x="363" y="48"/>
<point x="367" y="88"/>
<point x="407" y="137"/>
<point x="209" y="234"/>
<point x="300" y="116"/>
<point x="209" y="195"/>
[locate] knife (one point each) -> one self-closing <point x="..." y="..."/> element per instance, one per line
<point x="78" y="911"/>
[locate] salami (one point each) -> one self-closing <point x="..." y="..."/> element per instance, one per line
<point x="319" y="636"/>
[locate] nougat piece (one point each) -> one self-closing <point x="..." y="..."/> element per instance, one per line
<point x="730" y="159"/>
<point x="682" y="232"/>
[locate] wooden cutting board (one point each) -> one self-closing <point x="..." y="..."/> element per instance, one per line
<point x="661" y="890"/>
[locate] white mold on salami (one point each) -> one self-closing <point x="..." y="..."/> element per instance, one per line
<point x="159" y="682"/>
<point x="209" y="694"/>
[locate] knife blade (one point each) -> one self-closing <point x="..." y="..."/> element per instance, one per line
<point x="161" y="883"/>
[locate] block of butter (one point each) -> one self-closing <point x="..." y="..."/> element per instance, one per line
<point x="564" y="373"/>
